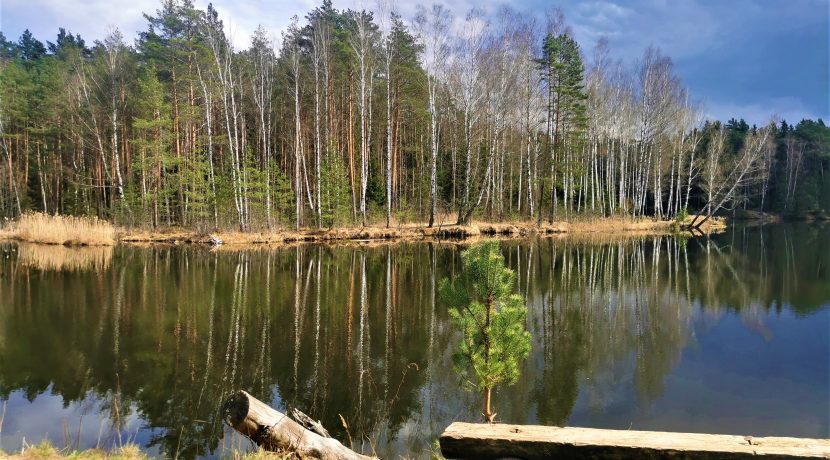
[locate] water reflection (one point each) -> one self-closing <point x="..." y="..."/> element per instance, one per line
<point x="152" y="341"/>
<point x="62" y="258"/>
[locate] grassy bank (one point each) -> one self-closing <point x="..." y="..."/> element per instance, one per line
<point x="62" y="230"/>
<point x="46" y="451"/>
<point x="416" y="232"/>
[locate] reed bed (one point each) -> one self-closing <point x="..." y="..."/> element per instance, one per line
<point x="63" y="230"/>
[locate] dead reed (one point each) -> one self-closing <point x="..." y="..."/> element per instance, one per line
<point x="63" y="230"/>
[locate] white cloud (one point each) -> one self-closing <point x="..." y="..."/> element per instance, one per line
<point x="91" y="19"/>
<point x="689" y="31"/>
<point x="680" y="28"/>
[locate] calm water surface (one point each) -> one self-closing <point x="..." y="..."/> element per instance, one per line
<point x="105" y="346"/>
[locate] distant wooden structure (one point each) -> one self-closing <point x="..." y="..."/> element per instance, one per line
<point x="530" y="442"/>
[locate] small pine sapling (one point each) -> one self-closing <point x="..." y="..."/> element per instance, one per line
<point x="492" y="321"/>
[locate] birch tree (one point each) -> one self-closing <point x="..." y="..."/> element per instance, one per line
<point x="222" y="53"/>
<point x="433" y="27"/>
<point x="724" y="179"/>
<point x="262" y="87"/>
<point x="292" y="51"/>
<point x="386" y="17"/>
<point x="361" y="42"/>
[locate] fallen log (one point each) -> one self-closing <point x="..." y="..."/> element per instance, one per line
<point x="530" y="442"/>
<point x="309" y="423"/>
<point x="274" y="431"/>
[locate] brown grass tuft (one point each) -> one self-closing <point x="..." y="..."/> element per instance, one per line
<point x="46" y="451"/>
<point x="64" y="230"/>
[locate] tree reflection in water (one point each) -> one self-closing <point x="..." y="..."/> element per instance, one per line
<point x="165" y="334"/>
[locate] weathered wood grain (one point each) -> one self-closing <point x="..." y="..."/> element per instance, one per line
<point x="529" y="442"/>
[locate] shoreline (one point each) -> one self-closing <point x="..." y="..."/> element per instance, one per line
<point x="602" y="227"/>
<point x="415" y="232"/>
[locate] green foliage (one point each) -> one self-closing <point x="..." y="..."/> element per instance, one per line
<point x="681" y="216"/>
<point x="435" y="451"/>
<point x="797" y="184"/>
<point x="490" y="317"/>
<point x="78" y="122"/>
<point x="563" y="71"/>
<point x="334" y="190"/>
<point x="154" y="165"/>
<point x="282" y="194"/>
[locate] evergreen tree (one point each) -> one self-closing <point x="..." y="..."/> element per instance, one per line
<point x="31" y="49"/>
<point x="8" y="49"/>
<point x="563" y="72"/>
<point x="91" y="131"/>
<point x="154" y="162"/>
<point x="66" y="40"/>
<point x="492" y="322"/>
<point x="335" y="187"/>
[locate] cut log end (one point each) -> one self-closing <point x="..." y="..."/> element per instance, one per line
<point x="235" y="408"/>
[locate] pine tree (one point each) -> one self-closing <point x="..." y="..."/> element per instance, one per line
<point x="31" y="49"/>
<point x="335" y="190"/>
<point x="491" y="319"/>
<point x="154" y="163"/>
<point x="563" y="72"/>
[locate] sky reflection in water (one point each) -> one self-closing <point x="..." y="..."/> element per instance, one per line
<point x="725" y="335"/>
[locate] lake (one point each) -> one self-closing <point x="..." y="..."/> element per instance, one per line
<point x="103" y="346"/>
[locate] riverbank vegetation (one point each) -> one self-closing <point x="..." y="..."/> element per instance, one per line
<point x="46" y="451"/>
<point x="62" y="230"/>
<point x="355" y="117"/>
<point x="51" y="230"/>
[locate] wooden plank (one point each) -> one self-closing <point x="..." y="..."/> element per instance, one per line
<point x="483" y="441"/>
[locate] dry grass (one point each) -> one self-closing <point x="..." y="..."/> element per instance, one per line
<point x="46" y="451"/>
<point x="61" y="258"/>
<point x="63" y="230"/>
<point x="414" y="232"/>
<point x="261" y="454"/>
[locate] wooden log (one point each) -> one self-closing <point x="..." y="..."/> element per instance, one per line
<point x="274" y="431"/>
<point x="530" y="442"/>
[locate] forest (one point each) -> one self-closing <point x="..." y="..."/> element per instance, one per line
<point x="356" y="118"/>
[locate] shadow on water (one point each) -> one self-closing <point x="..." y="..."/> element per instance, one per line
<point x="143" y="344"/>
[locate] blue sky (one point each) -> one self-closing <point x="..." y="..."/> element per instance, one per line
<point x="741" y="58"/>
